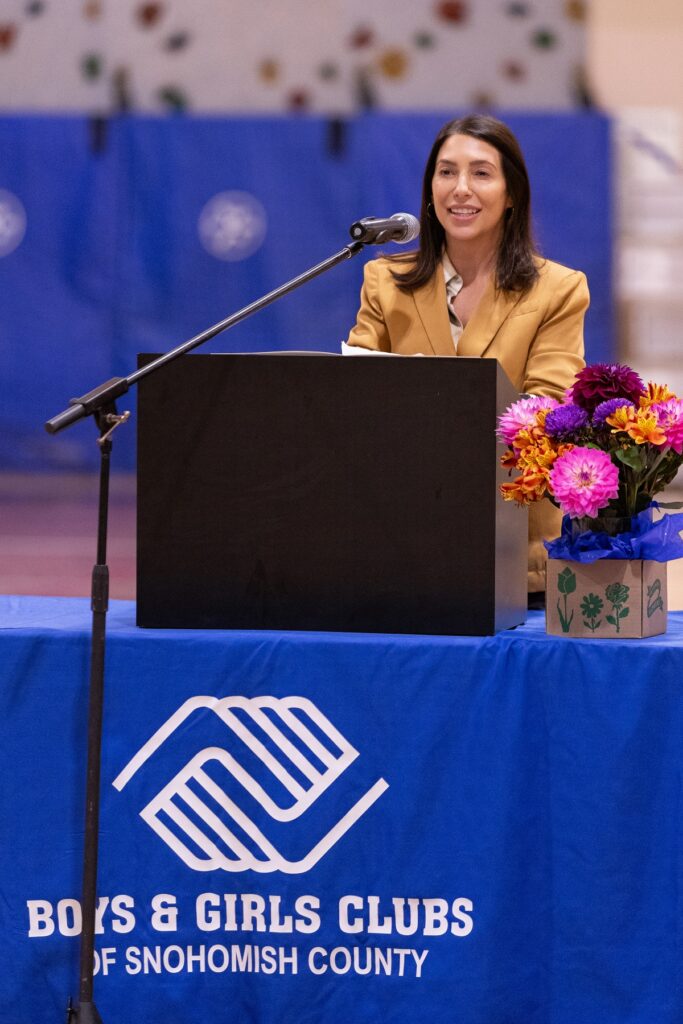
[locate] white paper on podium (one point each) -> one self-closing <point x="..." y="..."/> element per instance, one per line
<point x="356" y="350"/>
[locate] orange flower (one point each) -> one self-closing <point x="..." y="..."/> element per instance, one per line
<point x="622" y="418"/>
<point x="514" y="492"/>
<point x="526" y="488"/>
<point x="542" y="454"/>
<point x="655" y="393"/>
<point x="509" y="459"/>
<point x="535" y="462"/>
<point x="645" y="429"/>
<point x="530" y="435"/>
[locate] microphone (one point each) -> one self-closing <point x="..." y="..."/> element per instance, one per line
<point x="400" y="227"/>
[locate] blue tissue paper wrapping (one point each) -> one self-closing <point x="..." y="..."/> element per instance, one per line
<point x="658" y="541"/>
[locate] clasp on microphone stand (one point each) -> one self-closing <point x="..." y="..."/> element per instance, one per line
<point x="115" y="419"/>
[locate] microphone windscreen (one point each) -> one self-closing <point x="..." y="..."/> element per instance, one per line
<point x="412" y="227"/>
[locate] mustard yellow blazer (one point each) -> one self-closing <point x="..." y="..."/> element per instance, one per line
<point x="537" y="338"/>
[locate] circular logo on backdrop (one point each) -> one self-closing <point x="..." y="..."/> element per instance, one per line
<point x="12" y="222"/>
<point x="232" y="225"/>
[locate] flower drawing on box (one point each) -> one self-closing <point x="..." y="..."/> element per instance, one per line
<point x="591" y="606"/>
<point x="566" y="584"/>
<point x="617" y="596"/>
<point x="654" y="598"/>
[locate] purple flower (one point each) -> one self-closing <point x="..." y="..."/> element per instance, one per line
<point x="565" y="422"/>
<point x="601" y="381"/>
<point x="605" y="409"/>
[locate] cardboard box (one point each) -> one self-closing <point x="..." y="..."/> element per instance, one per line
<point x="607" y="598"/>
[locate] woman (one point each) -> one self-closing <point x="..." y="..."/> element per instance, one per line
<point x="476" y="286"/>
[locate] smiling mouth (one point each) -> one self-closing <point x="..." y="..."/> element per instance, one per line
<point x="463" y="212"/>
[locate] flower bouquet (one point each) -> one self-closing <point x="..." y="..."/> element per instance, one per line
<point x="601" y="455"/>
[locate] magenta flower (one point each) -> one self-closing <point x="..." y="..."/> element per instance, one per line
<point x="670" y="418"/>
<point x="521" y="415"/>
<point x="583" y="481"/>
<point x="602" y="381"/>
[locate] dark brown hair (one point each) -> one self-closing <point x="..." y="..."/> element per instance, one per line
<point x="516" y="270"/>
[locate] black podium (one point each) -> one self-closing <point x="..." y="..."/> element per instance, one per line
<point x="320" y="492"/>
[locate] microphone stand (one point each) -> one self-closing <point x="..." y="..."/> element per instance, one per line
<point x="100" y="403"/>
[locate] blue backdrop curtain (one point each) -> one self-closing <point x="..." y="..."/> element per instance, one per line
<point x="112" y="264"/>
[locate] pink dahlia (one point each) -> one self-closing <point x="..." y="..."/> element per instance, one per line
<point x="521" y="415"/>
<point x="670" y="418"/>
<point x="602" y="381"/>
<point x="583" y="481"/>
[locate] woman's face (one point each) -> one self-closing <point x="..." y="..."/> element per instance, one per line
<point x="469" y="193"/>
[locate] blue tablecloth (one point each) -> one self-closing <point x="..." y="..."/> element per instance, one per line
<point x="332" y="827"/>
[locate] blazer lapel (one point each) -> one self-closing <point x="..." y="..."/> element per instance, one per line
<point x="494" y="308"/>
<point x="432" y="309"/>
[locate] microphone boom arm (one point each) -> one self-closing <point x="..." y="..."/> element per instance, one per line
<point x="103" y="395"/>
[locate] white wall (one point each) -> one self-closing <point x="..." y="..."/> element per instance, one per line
<point x="217" y="56"/>
<point x="635" y="52"/>
<point x="635" y="66"/>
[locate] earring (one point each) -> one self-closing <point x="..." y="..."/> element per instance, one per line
<point x="430" y="209"/>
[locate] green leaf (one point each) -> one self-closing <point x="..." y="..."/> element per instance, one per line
<point x="566" y="581"/>
<point x="610" y="618"/>
<point x="634" y="457"/>
<point x="622" y="614"/>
